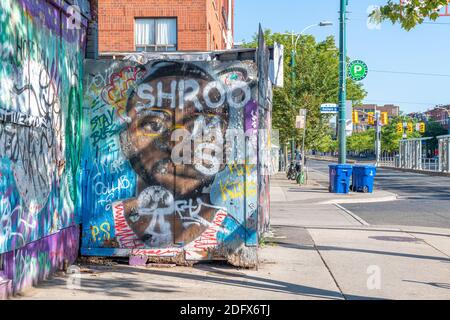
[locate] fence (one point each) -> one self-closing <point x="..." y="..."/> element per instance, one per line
<point x="426" y="164"/>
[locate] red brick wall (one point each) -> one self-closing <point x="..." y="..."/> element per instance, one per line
<point x="116" y="22"/>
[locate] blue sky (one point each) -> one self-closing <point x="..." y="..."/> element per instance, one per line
<point x="425" y="49"/>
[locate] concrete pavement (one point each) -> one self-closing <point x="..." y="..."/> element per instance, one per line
<point x="369" y="261"/>
<point x="422" y="200"/>
<point x="318" y="250"/>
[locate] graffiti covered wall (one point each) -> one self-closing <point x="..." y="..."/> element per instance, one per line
<point x="141" y="200"/>
<point x="40" y="116"/>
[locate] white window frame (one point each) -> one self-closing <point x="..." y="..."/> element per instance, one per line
<point x="156" y="47"/>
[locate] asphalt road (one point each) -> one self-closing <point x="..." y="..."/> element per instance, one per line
<point x="424" y="200"/>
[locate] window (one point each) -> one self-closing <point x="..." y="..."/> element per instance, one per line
<point x="159" y="34"/>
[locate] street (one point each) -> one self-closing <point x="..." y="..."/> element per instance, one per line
<point x="423" y="200"/>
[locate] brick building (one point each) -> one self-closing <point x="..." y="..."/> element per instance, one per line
<point x="165" y="25"/>
<point x="439" y="114"/>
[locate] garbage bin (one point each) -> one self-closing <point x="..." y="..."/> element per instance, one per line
<point x="363" y="178"/>
<point x="340" y="178"/>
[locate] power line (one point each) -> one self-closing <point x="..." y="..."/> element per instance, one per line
<point x="403" y="102"/>
<point x="412" y="73"/>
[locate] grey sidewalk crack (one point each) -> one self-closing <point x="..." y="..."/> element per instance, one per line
<point x="328" y="269"/>
<point x="425" y="241"/>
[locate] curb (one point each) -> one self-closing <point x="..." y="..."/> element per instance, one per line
<point x="354" y="216"/>
<point x="393" y="197"/>
<point x="430" y="173"/>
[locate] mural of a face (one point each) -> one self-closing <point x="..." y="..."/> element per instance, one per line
<point x="174" y="96"/>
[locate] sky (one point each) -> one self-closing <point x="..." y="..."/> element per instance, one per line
<point x="423" y="50"/>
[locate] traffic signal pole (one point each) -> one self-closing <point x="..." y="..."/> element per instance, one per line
<point x="342" y="82"/>
<point x="378" y="137"/>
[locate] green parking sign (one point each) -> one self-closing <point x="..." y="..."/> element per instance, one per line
<point x="357" y="70"/>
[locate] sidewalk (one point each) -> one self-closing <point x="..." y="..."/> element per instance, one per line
<point x="412" y="263"/>
<point x="318" y="251"/>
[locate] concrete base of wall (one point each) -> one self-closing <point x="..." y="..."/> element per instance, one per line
<point x="35" y="262"/>
<point x="5" y="287"/>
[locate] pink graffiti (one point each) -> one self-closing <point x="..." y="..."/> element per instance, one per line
<point x="124" y="235"/>
<point x="157" y="252"/>
<point x="208" y="239"/>
<point x="115" y="93"/>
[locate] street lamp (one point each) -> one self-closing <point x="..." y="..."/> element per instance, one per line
<point x="342" y="82"/>
<point x="295" y="38"/>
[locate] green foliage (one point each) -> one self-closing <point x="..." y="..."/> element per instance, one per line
<point x="361" y="141"/>
<point x="411" y="14"/>
<point x="390" y="138"/>
<point x="316" y="82"/>
<point x="327" y="144"/>
<point x="433" y="130"/>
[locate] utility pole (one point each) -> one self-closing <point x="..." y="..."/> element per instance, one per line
<point x="343" y="82"/>
<point x="293" y="78"/>
<point x="378" y="137"/>
<point x="295" y="38"/>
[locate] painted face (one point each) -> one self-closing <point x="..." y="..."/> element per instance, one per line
<point x="158" y="108"/>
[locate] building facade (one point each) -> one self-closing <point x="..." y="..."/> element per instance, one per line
<point x="43" y="45"/>
<point x="165" y="25"/>
<point x="439" y="114"/>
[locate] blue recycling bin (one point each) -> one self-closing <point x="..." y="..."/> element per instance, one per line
<point x="363" y="178"/>
<point x="340" y="176"/>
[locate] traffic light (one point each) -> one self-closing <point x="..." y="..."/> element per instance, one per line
<point x="422" y="127"/>
<point x="410" y="127"/>
<point x="399" y="127"/>
<point x="371" y="119"/>
<point x="355" y="117"/>
<point x="384" y="118"/>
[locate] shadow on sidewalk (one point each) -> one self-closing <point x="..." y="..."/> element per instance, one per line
<point x="433" y="284"/>
<point x="221" y="275"/>
<point x="306" y="242"/>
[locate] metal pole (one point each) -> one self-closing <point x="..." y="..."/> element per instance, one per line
<point x="378" y="137"/>
<point x="293" y="54"/>
<point x="342" y="83"/>
<point x="303" y="146"/>
<point x="448" y="120"/>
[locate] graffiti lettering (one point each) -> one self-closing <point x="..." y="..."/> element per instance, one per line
<point x="237" y="96"/>
<point x="105" y="229"/>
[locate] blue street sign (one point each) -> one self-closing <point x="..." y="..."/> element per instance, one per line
<point x="330" y="108"/>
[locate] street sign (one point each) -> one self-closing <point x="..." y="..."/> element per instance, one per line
<point x="348" y="120"/>
<point x="329" y="108"/>
<point x="300" y="122"/>
<point x="357" y="70"/>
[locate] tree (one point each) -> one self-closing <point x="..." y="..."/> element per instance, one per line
<point x="317" y="82"/>
<point x="410" y="13"/>
<point x="433" y="130"/>
<point x="362" y="141"/>
<point x="390" y="138"/>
